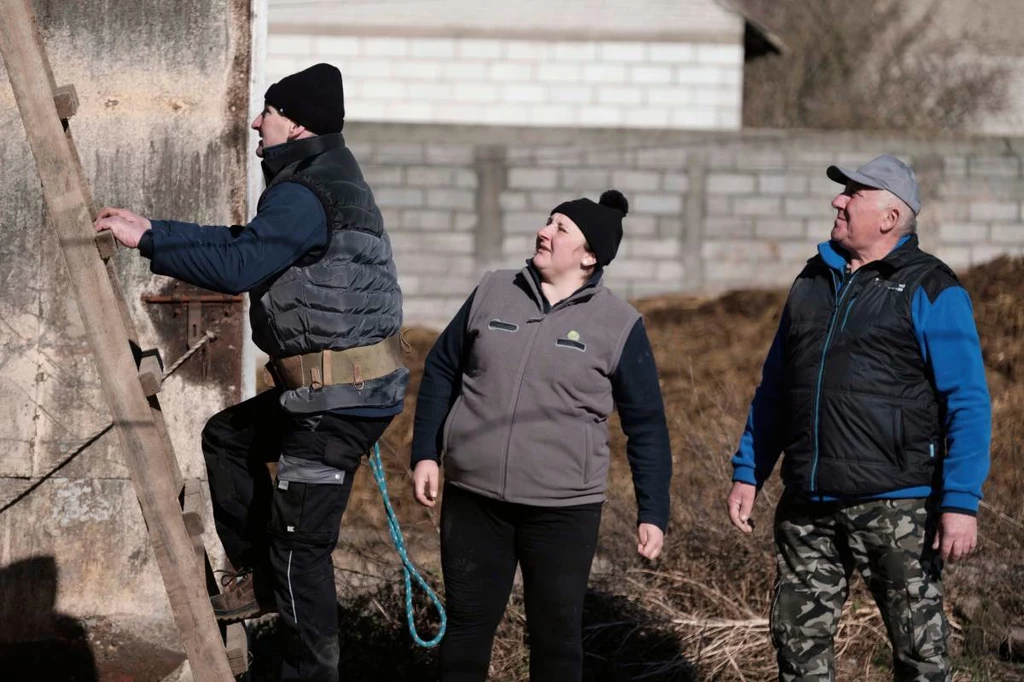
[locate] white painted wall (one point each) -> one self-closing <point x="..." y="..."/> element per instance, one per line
<point x="495" y="81"/>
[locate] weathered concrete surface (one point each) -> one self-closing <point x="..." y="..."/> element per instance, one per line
<point x="161" y="129"/>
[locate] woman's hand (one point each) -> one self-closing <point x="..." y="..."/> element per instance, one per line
<point x="651" y="540"/>
<point x="424" y="482"/>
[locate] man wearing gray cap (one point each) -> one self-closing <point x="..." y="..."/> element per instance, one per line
<point x="874" y="387"/>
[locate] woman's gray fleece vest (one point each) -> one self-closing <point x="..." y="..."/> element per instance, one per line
<point x="347" y="295"/>
<point x="530" y="424"/>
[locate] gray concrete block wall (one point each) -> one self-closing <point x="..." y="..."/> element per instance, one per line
<point x="708" y="212"/>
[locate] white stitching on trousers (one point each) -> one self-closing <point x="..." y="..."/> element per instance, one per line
<point x="295" y="616"/>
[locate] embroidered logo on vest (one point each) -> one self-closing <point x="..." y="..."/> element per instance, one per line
<point x="572" y="340"/>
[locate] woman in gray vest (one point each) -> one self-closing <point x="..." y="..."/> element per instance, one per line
<point x="516" y="395"/>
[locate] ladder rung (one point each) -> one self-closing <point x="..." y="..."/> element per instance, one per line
<point x="65" y="98"/>
<point x="192" y="506"/>
<point x="106" y="244"/>
<point x="151" y="375"/>
<point x="237" y="646"/>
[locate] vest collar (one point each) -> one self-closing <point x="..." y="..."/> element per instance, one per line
<point x="276" y="158"/>
<point x="529" y="280"/>
<point x="834" y="256"/>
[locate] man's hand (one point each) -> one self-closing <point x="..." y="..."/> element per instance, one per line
<point x="650" y="540"/>
<point x="127" y="227"/>
<point x="424" y="482"/>
<point x="741" y="501"/>
<point x="957" y="536"/>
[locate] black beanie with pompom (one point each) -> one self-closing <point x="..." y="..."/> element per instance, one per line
<point x="601" y="223"/>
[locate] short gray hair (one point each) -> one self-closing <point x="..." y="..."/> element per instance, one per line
<point x="908" y="220"/>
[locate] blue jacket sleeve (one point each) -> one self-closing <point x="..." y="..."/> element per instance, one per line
<point x="442" y="376"/>
<point x="233" y="260"/>
<point x="761" y="443"/>
<point x="948" y="337"/>
<point x="637" y="395"/>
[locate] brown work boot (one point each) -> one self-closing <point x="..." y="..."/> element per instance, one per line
<point x="239" y="601"/>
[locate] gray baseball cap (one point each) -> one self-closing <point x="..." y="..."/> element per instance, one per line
<point x="883" y="172"/>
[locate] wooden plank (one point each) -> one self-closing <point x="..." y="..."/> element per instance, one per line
<point x="69" y="204"/>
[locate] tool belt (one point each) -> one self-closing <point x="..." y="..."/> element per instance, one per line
<point x="329" y="367"/>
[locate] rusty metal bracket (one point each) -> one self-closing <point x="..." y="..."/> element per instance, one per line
<point x="195" y="322"/>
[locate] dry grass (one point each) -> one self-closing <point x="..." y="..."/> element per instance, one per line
<point x="699" y="613"/>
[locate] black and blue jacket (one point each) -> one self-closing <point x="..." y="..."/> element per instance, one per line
<point x="874" y="386"/>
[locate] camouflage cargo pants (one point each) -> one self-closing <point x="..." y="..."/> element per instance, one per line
<point x="818" y="546"/>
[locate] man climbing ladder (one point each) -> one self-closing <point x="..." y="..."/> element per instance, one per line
<point x="327" y="309"/>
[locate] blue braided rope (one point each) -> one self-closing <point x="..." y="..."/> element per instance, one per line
<point x="408" y="568"/>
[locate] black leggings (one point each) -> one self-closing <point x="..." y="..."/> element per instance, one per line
<point x="481" y="541"/>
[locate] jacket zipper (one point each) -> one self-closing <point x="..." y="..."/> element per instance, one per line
<point x="840" y="297"/>
<point x="522" y="377"/>
<point x="846" y="317"/>
<point x="515" y="404"/>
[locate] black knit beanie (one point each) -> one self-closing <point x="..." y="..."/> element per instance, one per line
<point x="601" y="223"/>
<point x="313" y="98"/>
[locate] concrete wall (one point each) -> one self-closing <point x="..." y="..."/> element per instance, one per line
<point x="709" y="212"/>
<point x="161" y="129"/>
<point x="692" y="84"/>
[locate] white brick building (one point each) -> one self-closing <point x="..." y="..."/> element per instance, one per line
<point x="597" y="63"/>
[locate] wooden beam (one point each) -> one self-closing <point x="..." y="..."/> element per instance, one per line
<point x="67" y="198"/>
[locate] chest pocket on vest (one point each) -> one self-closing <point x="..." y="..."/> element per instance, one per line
<point x="571" y="343"/>
<point x="499" y="326"/>
<point x="875" y="310"/>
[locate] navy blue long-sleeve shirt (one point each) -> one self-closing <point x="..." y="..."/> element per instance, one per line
<point x="635" y="390"/>
<point x="948" y="339"/>
<point x="232" y="260"/>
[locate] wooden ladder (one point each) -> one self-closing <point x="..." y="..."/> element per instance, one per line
<point x="131" y="378"/>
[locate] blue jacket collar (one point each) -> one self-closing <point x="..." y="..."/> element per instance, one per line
<point x="836" y="256"/>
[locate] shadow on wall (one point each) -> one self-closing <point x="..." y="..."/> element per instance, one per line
<point x="621" y="642"/>
<point x="38" y="644"/>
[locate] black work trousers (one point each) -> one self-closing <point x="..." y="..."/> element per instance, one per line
<point x="482" y="540"/>
<point x="286" y="531"/>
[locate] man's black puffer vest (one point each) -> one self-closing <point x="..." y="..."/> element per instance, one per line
<point x="862" y="414"/>
<point x="342" y="296"/>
